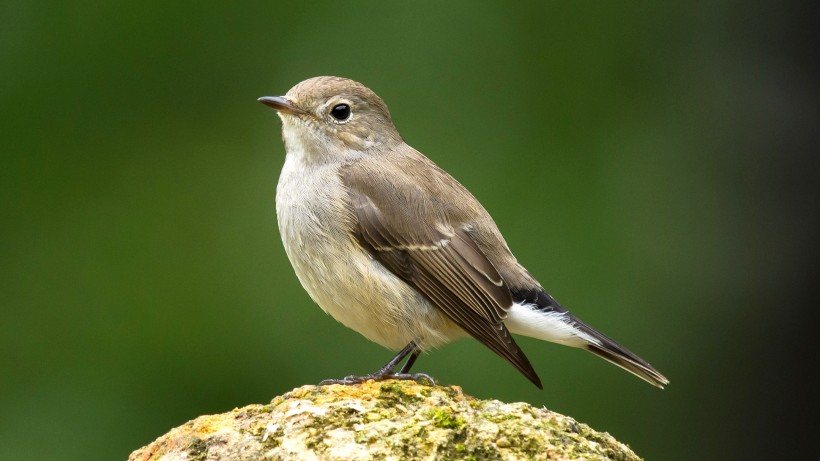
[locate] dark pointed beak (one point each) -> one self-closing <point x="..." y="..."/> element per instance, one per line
<point x="281" y="104"/>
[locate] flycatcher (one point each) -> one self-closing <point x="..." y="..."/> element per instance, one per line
<point x="393" y="247"/>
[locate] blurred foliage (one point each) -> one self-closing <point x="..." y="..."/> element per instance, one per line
<point x="654" y="165"/>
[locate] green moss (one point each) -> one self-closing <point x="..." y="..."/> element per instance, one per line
<point x="197" y="450"/>
<point x="269" y="439"/>
<point x="389" y="387"/>
<point x="459" y="451"/>
<point x="251" y="411"/>
<point x="493" y="416"/>
<point x="364" y="438"/>
<point x="452" y="392"/>
<point x="392" y="393"/>
<point x="446" y="419"/>
<point x="484" y="452"/>
<point x="272" y="442"/>
<point x="422" y="433"/>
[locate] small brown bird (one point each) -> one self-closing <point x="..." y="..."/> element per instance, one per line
<point x="393" y="247"/>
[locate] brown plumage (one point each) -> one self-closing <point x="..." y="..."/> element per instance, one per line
<point x="395" y="248"/>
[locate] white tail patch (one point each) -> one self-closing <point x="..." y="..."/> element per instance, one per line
<point x="528" y="320"/>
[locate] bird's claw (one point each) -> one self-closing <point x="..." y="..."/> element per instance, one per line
<point x="421" y="378"/>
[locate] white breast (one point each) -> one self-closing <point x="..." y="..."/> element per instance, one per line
<point x="343" y="279"/>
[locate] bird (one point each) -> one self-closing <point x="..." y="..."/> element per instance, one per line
<point x="393" y="247"/>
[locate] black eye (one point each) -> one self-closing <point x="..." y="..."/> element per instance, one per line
<point x="340" y="112"/>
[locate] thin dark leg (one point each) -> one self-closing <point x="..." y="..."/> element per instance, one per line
<point x="410" y="361"/>
<point x="386" y="372"/>
<point x="388" y="367"/>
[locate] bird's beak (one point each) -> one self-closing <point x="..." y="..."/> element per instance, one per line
<point x="281" y="104"/>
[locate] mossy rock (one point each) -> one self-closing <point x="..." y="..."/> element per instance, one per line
<point x="390" y="420"/>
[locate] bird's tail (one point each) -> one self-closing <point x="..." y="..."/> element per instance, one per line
<point x="539" y="316"/>
<point x="614" y="353"/>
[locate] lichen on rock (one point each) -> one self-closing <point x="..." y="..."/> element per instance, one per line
<point x="389" y="420"/>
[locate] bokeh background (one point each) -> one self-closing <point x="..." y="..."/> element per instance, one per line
<point x="654" y="165"/>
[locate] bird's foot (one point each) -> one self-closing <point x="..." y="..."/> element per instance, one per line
<point x="386" y="372"/>
<point x="421" y="378"/>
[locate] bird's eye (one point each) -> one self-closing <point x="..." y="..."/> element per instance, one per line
<point x="340" y="112"/>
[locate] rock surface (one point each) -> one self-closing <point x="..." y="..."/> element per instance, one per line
<point x="390" y="420"/>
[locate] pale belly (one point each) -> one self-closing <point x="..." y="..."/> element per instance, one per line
<point x="343" y="279"/>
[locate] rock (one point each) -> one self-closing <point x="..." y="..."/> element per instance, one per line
<point x="389" y="420"/>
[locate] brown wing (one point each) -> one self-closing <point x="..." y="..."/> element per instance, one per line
<point x="439" y="261"/>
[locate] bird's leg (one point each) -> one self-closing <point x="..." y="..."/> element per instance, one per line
<point x="386" y="372"/>
<point x="388" y="367"/>
<point x="410" y="361"/>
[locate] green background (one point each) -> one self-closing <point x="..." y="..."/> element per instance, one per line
<point x="653" y="165"/>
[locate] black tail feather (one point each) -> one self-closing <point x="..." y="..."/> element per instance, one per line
<point x="598" y="344"/>
<point x="614" y="353"/>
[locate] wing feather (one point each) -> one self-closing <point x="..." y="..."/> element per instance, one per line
<point x="439" y="260"/>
